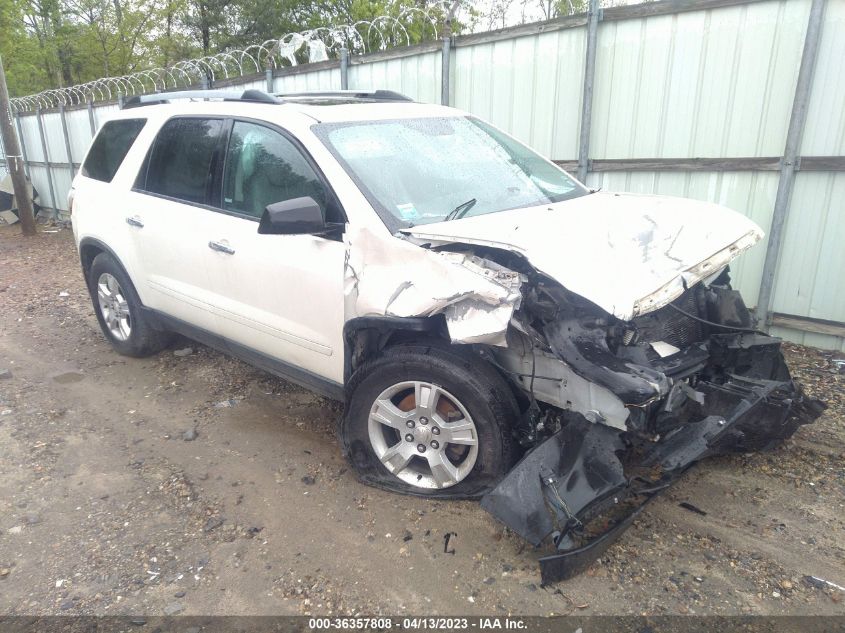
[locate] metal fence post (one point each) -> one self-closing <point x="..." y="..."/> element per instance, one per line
<point x="790" y="157"/>
<point x="587" y="97"/>
<point x="121" y="100"/>
<point x="23" y="144"/>
<point x="67" y="140"/>
<point x="204" y="83"/>
<point x="344" y="68"/>
<point x="444" y="71"/>
<point x="47" y="162"/>
<point x="268" y="77"/>
<point x="90" y="106"/>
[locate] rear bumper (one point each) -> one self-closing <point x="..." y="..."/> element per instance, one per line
<point x="582" y="487"/>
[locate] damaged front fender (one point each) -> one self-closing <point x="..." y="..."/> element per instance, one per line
<point x="476" y="296"/>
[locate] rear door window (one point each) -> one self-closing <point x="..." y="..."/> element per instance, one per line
<point x="183" y="160"/>
<point x="110" y="148"/>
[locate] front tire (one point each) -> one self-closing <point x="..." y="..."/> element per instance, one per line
<point x="430" y="420"/>
<point x="123" y="320"/>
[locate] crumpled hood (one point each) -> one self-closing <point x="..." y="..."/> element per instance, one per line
<point x="629" y="254"/>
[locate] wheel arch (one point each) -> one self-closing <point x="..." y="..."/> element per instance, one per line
<point x="364" y="337"/>
<point x="147" y="334"/>
<point x="479" y="386"/>
<point x="89" y="248"/>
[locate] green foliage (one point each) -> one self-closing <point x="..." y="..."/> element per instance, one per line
<point x="56" y="43"/>
<point x="20" y="52"/>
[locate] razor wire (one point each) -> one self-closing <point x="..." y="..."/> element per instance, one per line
<point x="364" y="36"/>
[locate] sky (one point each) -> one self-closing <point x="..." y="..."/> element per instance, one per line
<point x="512" y="12"/>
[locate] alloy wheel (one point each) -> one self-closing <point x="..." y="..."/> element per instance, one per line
<point x="423" y="434"/>
<point x="114" y="307"/>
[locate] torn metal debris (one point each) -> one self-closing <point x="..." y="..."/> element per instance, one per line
<point x="631" y="353"/>
<point x="584" y="486"/>
<point x="476" y="296"/>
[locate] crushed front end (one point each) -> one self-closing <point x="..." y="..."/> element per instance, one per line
<point x="617" y="410"/>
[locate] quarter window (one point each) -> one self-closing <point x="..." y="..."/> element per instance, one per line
<point x="110" y="148"/>
<point x="182" y="161"/>
<point x="263" y="167"/>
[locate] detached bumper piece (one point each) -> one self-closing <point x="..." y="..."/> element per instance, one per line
<point x="586" y="484"/>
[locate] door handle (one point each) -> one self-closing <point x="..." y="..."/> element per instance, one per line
<point x="221" y="248"/>
<point x="135" y="221"/>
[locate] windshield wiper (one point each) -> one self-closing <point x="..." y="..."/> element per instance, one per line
<point x="461" y="210"/>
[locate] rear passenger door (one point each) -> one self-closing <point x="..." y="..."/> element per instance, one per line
<point x="168" y="218"/>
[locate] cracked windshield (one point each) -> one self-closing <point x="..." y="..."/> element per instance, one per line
<point x="444" y="169"/>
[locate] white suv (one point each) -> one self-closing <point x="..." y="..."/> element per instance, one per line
<point x="466" y="298"/>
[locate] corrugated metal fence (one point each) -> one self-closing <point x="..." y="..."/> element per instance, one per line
<point x="689" y="98"/>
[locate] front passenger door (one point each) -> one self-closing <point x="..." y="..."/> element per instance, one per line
<point x="280" y="295"/>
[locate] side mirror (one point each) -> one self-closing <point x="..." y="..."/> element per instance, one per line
<point x="298" y="216"/>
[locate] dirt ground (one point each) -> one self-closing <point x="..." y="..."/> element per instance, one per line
<point x="196" y="484"/>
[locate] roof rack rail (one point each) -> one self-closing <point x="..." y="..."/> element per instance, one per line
<point x="253" y="96"/>
<point x="376" y="95"/>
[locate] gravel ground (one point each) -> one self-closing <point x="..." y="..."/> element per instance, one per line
<point x="191" y="483"/>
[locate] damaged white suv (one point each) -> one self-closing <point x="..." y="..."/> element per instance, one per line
<point x="468" y="300"/>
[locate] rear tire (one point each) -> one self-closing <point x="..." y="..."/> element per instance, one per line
<point x="122" y="317"/>
<point x="430" y="420"/>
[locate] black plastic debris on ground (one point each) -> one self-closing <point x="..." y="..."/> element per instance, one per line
<point x="688" y="506"/>
<point x="446" y="538"/>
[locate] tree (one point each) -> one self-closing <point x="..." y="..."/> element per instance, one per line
<point x="55" y="43"/>
<point x="552" y="9"/>
<point x="25" y="70"/>
<point x="109" y="38"/>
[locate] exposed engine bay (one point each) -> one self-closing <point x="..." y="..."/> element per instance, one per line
<point x="652" y="365"/>
<point x="618" y="410"/>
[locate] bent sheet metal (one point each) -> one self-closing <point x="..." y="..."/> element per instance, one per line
<point x="585" y="485"/>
